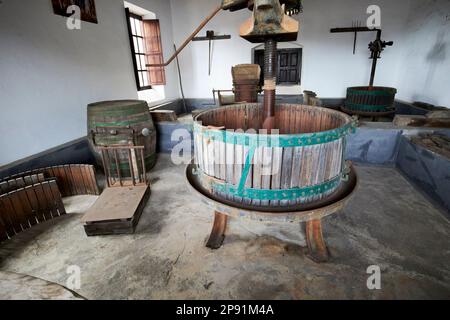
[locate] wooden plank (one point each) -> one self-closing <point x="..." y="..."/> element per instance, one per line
<point x="322" y="168"/>
<point x="4" y="187"/>
<point x="200" y="152"/>
<point x="211" y="155"/>
<point x="286" y="172"/>
<point x="296" y="118"/>
<point x="164" y="116"/>
<point x="91" y="171"/>
<point x="57" y="198"/>
<point x="305" y="169"/>
<point x="296" y="169"/>
<point x="59" y="174"/>
<point x="314" y="168"/>
<point x="86" y="179"/>
<point x="239" y="163"/>
<point x="7" y="217"/>
<point x="257" y="172"/>
<point x="267" y="171"/>
<point x="44" y="208"/>
<point x="277" y="161"/>
<point x="78" y="179"/>
<point x="206" y="160"/>
<point x="16" y="207"/>
<point x="51" y="205"/>
<point x="249" y="179"/>
<point x="20" y="182"/>
<point x="70" y="181"/>
<point x="216" y="150"/>
<point x="34" y="203"/>
<point x="3" y="228"/>
<point x="27" y="208"/>
<point x="222" y="165"/>
<point x="196" y="155"/>
<point x="229" y="150"/>
<point x="115" y="204"/>
<point x="36" y="178"/>
<point x="49" y="172"/>
<point x="12" y="185"/>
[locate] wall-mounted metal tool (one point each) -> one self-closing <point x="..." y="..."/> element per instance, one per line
<point x="376" y="47"/>
<point x="210" y="37"/>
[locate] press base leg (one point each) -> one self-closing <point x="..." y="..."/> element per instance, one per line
<point x="218" y="231"/>
<point x="317" y="249"/>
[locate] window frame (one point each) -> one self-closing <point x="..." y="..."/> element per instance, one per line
<point x="279" y="51"/>
<point x="131" y="37"/>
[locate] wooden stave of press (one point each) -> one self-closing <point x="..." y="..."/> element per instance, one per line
<point x="134" y="114"/>
<point x="287" y="159"/>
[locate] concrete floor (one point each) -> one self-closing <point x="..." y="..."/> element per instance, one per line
<point x="388" y="223"/>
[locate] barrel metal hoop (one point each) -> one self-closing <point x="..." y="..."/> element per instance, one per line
<point x="274" y="140"/>
<point x="367" y="107"/>
<point x="123" y="123"/>
<point x="372" y="92"/>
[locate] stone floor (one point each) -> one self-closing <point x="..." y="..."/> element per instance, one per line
<point x="388" y="223"/>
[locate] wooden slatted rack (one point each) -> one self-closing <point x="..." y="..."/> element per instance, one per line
<point x="32" y="204"/>
<point x="72" y="180"/>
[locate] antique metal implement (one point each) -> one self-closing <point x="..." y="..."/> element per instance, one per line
<point x="376" y="47"/>
<point x="210" y="37"/>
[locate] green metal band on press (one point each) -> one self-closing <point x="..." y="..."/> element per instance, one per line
<point x="372" y="92"/>
<point x="280" y="141"/>
<point x="367" y="107"/>
<point x="283" y="194"/>
<point x="245" y="172"/>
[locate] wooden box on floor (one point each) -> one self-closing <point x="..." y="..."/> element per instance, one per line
<point x="120" y="206"/>
<point x="117" y="211"/>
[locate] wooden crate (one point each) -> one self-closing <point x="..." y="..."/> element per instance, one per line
<point x="120" y="206"/>
<point x="117" y="211"/>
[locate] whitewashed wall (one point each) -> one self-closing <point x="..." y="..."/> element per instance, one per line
<point x="329" y="66"/>
<point x="425" y="62"/>
<point x="48" y="74"/>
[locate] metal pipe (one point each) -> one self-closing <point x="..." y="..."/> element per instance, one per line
<point x="181" y="81"/>
<point x="189" y="39"/>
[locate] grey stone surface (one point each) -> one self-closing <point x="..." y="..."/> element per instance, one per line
<point x="22" y="287"/>
<point x="388" y="223"/>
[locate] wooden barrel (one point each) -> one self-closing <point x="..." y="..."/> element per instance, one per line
<point x="239" y="162"/>
<point x="122" y="122"/>
<point x="371" y="101"/>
